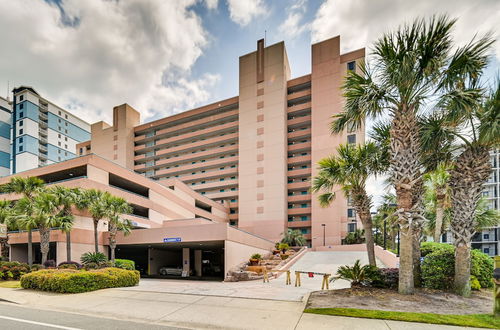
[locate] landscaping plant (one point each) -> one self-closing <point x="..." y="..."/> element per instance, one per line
<point x="125" y="264"/>
<point x="13" y="270"/>
<point x="355" y="274"/>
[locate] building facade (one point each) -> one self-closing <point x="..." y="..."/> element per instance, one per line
<point x="41" y="132"/>
<point x="5" y="131"/>
<point x="488" y="240"/>
<point x="254" y="153"/>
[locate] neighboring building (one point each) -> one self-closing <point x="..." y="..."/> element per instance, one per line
<point x="254" y="153"/>
<point x="5" y="131"/>
<point x="488" y="240"/>
<point x="42" y="133"/>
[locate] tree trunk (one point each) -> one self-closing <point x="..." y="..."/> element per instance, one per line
<point x="4" y="247"/>
<point x="417" y="235"/>
<point x="68" y="245"/>
<point x="471" y="171"/>
<point x="406" y="176"/>
<point x="439" y="222"/>
<point x="370" y="246"/>
<point x="96" y="245"/>
<point x="44" y="243"/>
<point x="112" y="241"/>
<point x="30" y="247"/>
<point x="462" y="270"/>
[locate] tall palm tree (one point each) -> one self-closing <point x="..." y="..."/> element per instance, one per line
<point x="40" y="212"/>
<point x="438" y="196"/>
<point x="96" y="203"/>
<point x="117" y="207"/>
<point x="28" y="187"/>
<point x="6" y="216"/>
<point x="350" y="169"/>
<point x="66" y="198"/>
<point x="410" y="67"/>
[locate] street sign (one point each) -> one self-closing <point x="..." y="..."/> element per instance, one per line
<point x="172" y="239"/>
<point x="3" y="231"/>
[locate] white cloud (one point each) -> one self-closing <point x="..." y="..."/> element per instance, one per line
<point x="243" y="11"/>
<point x="211" y="4"/>
<point x="117" y="52"/>
<point x="360" y="22"/>
<point x="293" y="26"/>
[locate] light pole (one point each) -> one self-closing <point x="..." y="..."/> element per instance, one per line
<point x="324" y="227"/>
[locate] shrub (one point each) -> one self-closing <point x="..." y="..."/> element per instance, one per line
<point x="36" y="267"/>
<point x="95" y="257"/>
<point x="13" y="270"/>
<point x="474" y="283"/>
<point x="125" y="264"/>
<point x="90" y="265"/>
<point x="429" y="247"/>
<point x="283" y="247"/>
<point x="389" y="277"/>
<point x="75" y="281"/>
<point x="356" y="274"/>
<point x="256" y="256"/>
<point x="438" y="267"/>
<point x="49" y="264"/>
<point x="69" y="264"/>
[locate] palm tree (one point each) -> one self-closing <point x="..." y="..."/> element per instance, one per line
<point x="485" y="217"/>
<point x="96" y="203"/>
<point x="66" y="198"/>
<point x="40" y="212"/>
<point x="117" y="207"/>
<point x="438" y="196"/>
<point x="294" y="238"/>
<point x="350" y="169"/>
<point x="28" y="187"/>
<point x="410" y="67"/>
<point x="6" y="215"/>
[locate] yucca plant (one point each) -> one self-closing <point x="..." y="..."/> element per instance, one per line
<point x="93" y="257"/>
<point x="355" y="274"/>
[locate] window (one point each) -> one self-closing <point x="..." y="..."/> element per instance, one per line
<point x="65" y="146"/>
<point x="351" y="227"/>
<point x="290" y="219"/>
<point x="21" y="98"/>
<point x="233" y="211"/>
<point x="232" y="223"/>
<point x="20" y="148"/>
<point x="20" y="123"/>
<point x="59" y="144"/>
<point x="351" y="139"/>
<point x="233" y="200"/>
<point x="221" y="190"/>
<point x="59" y="120"/>
<point x="59" y="135"/>
<point x="21" y="106"/>
<point x="66" y="116"/>
<point x="486" y="236"/>
<point x="65" y="138"/>
<point x="59" y="113"/>
<point x="303" y="192"/>
<point x="304" y="230"/>
<point x="351" y="66"/>
<point x="221" y="179"/>
<point x="351" y="213"/>
<point x="21" y="131"/>
<point x="81" y="151"/>
<point x="303" y="205"/>
<point x="486" y="250"/>
<point x="303" y="218"/>
<point x="21" y="139"/>
<point x="21" y="114"/>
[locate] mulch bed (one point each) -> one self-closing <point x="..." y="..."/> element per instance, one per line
<point x="423" y="301"/>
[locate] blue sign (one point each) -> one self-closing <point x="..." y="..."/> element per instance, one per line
<point x="171" y="239"/>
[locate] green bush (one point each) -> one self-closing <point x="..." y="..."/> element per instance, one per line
<point x="474" y="283"/>
<point x="256" y="256"/>
<point x="125" y="264"/>
<point x="13" y="270"/>
<point x="356" y="274"/>
<point x="76" y="281"/>
<point x="438" y="267"/>
<point x="95" y="257"/>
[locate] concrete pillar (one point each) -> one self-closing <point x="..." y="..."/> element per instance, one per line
<point x="197" y="262"/>
<point x="185" y="261"/>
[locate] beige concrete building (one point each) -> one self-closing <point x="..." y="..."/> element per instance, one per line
<point x="254" y="153"/>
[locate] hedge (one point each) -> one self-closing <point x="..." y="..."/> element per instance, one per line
<point x="125" y="264"/>
<point x="438" y="267"/>
<point x="76" y="281"/>
<point x="13" y="270"/>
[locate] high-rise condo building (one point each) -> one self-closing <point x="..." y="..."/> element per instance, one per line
<point x="5" y="127"/>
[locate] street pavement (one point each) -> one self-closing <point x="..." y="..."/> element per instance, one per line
<point x="24" y="318"/>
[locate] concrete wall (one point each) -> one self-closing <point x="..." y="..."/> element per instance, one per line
<point x="389" y="259"/>
<point x="161" y="258"/>
<point x="235" y="253"/>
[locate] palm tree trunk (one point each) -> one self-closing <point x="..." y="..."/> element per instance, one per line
<point x="96" y="222"/>
<point x="370" y="245"/>
<point x="44" y="243"/>
<point x="68" y="245"/>
<point x="417" y="235"/>
<point x="4" y="247"/>
<point x="439" y="222"/>
<point x="112" y="244"/>
<point x="471" y="171"/>
<point x="30" y="247"/>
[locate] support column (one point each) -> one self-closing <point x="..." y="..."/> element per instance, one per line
<point x="197" y="262"/>
<point x="185" y="261"/>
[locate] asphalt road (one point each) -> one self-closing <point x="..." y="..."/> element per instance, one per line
<point x="21" y="318"/>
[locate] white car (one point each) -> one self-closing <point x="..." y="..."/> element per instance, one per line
<point x="171" y="270"/>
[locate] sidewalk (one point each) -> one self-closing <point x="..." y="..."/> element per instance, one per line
<point x="197" y="311"/>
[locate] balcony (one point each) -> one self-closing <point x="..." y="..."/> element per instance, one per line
<point x="299" y="211"/>
<point x="298" y="160"/>
<point x="299" y="223"/>
<point x="299" y="185"/>
<point x="299" y="198"/>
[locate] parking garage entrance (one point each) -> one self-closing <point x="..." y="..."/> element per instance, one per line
<point x="177" y="260"/>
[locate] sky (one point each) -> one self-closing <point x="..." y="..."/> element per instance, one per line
<point x="164" y="57"/>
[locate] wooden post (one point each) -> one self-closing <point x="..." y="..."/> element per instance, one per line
<point x="266" y="276"/>
<point x="496" y="291"/>
<point x="288" y="280"/>
<point x="297" y="278"/>
<point x="325" y="283"/>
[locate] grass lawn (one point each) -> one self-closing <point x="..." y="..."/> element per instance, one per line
<point x="10" y="284"/>
<point x="469" y="320"/>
